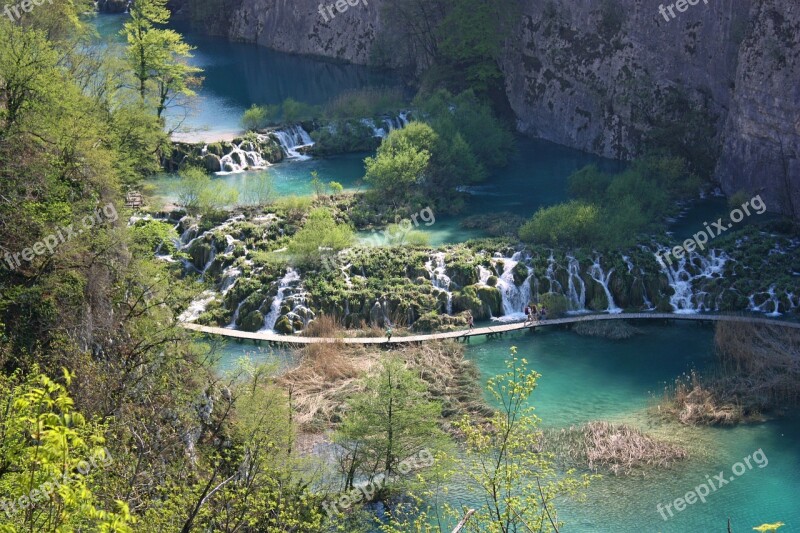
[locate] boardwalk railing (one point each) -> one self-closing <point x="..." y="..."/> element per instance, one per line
<point x="270" y="337"/>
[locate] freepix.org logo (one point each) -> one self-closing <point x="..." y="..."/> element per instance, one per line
<point x="48" y="245"/>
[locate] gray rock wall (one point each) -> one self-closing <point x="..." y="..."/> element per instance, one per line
<point x="599" y="74"/>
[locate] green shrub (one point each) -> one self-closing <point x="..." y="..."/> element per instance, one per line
<point x="555" y="303"/>
<point x="571" y="224"/>
<point x="365" y="103"/>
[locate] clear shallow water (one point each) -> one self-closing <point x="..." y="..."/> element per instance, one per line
<point x="291" y="178"/>
<point x="585" y="379"/>
<point x="237" y="75"/>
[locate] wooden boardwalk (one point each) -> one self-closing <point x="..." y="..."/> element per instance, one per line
<point x="476" y="332"/>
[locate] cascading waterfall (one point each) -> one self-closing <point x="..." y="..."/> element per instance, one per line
<point x="577" y="300"/>
<point x="514" y="298"/>
<point x="550" y="274"/>
<point x="229" y="277"/>
<point x="197" y="307"/>
<point x="292" y="140"/>
<point x="764" y="307"/>
<point x="648" y="305"/>
<point x="275" y="309"/>
<point x="439" y="278"/>
<point x="376" y="131"/>
<point x="245" y="156"/>
<point x="597" y="274"/>
<point x="235" y="318"/>
<point x="681" y="279"/>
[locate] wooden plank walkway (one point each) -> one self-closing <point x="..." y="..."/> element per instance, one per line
<point x="476" y="332"/>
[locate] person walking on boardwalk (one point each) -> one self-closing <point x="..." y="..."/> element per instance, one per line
<point x="534" y="313"/>
<point x="470" y="322"/>
<point x="389" y="333"/>
<point x="527" y="312"/>
<point x="544" y="313"/>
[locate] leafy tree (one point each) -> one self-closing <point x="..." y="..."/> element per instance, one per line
<point x="390" y="421"/>
<point x="571" y="224"/>
<point x="401" y="162"/>
<point x="200" y="195"/>
<point x="261" y="189"/>
<point x="471" y="36"/>
<point x="335" y="188"/>
<point x="317" y="184"/>
<point x="320" y="233"/>
<point x="158" y="56"/>
<point x="50" y="461"/>
<point x="516" y="483"/>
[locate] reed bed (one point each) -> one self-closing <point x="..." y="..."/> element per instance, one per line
<point x="619" y="449"/>
<point x="758" y="372"/>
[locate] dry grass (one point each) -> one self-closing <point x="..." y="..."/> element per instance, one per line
<point x="324" y="326"/>
<point x="691" y="403"/>
<point x="758" y="371"/>
<point x="616" y="448"/>
<point x="328" y="374"/>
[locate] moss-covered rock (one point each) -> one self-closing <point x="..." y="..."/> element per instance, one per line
<point x="520" y="273"/>
<point x="253" y="321"/>
<point x="492" y="301"/>
<point x="284" y="325"/>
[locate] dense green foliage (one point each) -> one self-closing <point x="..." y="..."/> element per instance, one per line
<point x="455" y="44"/>
<point x="200" y="195"/>
<point x="320" y="234"/>
<point x="611" y="210"/>
<point x="454" y="142"/>
<point x="514" y="485"/>
<point x="290" y="110"/>
<point x="93" y="359"/>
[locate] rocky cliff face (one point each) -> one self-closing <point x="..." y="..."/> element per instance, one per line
<point x="761" y="135"/>
<point x="294" y="26"/>
<point x="601" y="75"/>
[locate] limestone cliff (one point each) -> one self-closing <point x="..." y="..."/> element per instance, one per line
<point x="604" y="75"/>
<point x="600" y="75"/>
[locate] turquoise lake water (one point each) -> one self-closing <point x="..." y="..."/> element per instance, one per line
<point x="586" y="379"/>
<point x="583" y="379"/>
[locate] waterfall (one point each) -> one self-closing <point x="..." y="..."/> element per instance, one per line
<point x="681" y="279"/>
<point x="577" y="300"/>
<point x="229" y="277"/>
<point x="232" y="325"/>
<point x="550" y="274"/>
<point x="648" y="305"/>
<point x="514" y="298"/>
<point x="275" y="309"/>
<point x="245" y="156"/>
<point x="597" y="274"/>
<point x="292" y="139"/>
<point x="197" y="307"/>
<point x="763" y="308"/>
<point x="376" y="131"/>
<point x="439" y="278"/>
